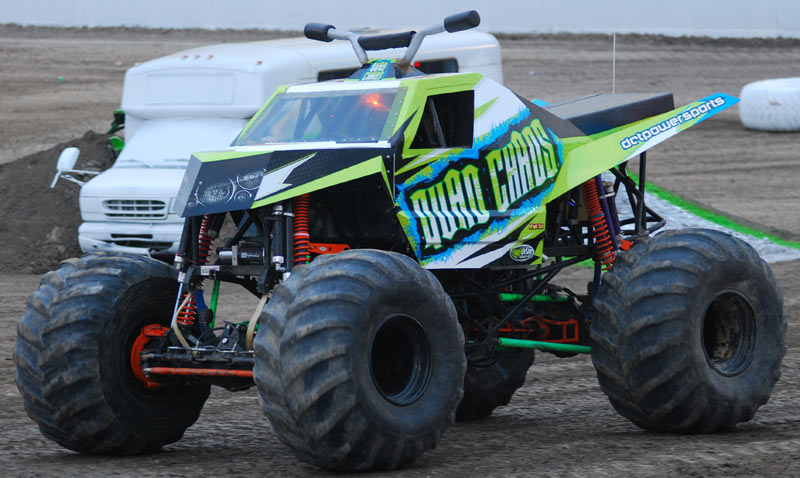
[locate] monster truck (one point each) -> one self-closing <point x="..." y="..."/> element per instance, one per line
<point x="402" y="232"/>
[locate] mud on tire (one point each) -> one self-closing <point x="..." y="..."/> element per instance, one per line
<point x="73" y="357"/>
<point x="688" y="332"/>
<point x="360" y="361"/>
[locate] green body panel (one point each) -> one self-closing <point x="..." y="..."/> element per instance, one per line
<point x="589" y="157"/>
<point x="360" y="170"/>
<point x="417" y="91"/>
<point x="461" y="205"/>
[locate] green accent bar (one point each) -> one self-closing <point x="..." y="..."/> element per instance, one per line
<point x="512" y="297"/>
<point x="710" y="216"/>
<point x="546" y="346"/>
<point x="214" y="300"/>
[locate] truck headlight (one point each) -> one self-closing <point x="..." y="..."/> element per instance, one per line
<point x="216" y="193"/>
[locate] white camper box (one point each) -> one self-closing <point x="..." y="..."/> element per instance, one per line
<point x="199" y="100"/>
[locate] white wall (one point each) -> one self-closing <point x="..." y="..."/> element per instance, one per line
<point x="715" y="18"/>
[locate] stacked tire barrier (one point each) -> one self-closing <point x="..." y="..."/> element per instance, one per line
<point x="771" y="105"/>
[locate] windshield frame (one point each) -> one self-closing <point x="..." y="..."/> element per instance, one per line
<point x="244" y="138"/>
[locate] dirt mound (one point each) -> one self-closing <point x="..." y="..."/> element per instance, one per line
<point x="39" y="225"/>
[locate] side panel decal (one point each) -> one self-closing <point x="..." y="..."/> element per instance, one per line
<point x="228" y="181"/>
<point x="469" y="208"/>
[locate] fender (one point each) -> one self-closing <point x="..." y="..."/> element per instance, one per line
<point x="234" y="180"/>
<point x="608" y="149"/>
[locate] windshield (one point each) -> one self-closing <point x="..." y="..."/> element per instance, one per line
<point x="341" y="116"/>
<point x="170" y="142"/>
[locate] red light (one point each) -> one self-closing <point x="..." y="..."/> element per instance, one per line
<point x="417" y="64"/>
<point x="373" y="100"/>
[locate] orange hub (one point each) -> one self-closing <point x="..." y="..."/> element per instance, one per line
<point x="147" y="334"/>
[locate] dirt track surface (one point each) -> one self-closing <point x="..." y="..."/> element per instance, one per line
<point x="560" y="423"/>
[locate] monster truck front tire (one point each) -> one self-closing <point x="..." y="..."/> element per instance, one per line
<point x="688" y="332"/>
<point x="360" y="361"/>
<point x="73" y="357"/>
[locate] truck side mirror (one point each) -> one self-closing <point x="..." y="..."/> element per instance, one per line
<point x="66" y="161"/>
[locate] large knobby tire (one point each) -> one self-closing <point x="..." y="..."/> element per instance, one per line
<point x="360" y="361"/>
<point x="73" y="357"/>
<point x="492" y="383"/>
<point x="688" y="332"/>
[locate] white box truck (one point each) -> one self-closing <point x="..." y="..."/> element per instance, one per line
<point x="199" y="100"/>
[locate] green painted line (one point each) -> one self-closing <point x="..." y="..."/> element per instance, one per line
<point x="718" y="219"/>
<point x="546" y="346"/>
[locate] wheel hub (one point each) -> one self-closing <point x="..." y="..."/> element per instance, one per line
<point x="729" y="333"/>
<point x="400" y="360"/>
<point x="147" y="333"/>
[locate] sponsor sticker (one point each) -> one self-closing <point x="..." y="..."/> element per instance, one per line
<point x="376" y="71"/>
<point x="522" y="253"/>
<point x="670" y="123"/>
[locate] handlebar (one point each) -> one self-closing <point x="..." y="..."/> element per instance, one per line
<point x="462" y="21"/>
<point x="384" y="42"/>
<point x="412" y="40"/>
<point x="318" y="31"/>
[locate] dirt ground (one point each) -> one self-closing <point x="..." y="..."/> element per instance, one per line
<point x="560" y="423"/>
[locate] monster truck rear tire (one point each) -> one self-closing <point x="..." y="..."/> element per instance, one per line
<point x="360" y="361"/>
<point x="771" y="105"/>
<point x="73" y="357"/>
<point x="492" y="384"/>
<point x="688" y="332"/>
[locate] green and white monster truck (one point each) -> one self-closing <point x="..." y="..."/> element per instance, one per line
<point x="402" y="231"/>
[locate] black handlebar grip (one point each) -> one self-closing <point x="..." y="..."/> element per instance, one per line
<point x="462" y="21"/>
<point x="383" y="42"/>
<point x="318" y="31"/>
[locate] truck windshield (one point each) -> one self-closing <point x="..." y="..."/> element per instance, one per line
<point x="341" y="116"/>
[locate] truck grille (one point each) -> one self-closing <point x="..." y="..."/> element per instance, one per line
<point x="135" y="209"/>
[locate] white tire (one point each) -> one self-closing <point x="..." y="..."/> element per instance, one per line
<point x="771" y="105"/>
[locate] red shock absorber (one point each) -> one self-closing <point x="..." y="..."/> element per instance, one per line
<point x="604" y="248"/>
<point x="188" y="313"/>
<point x="302" y="239"/>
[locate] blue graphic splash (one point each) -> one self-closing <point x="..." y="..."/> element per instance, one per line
<point x="497" y="224"/>
<point x="432" y="171"/>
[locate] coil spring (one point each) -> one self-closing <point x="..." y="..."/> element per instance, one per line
<point x="604" y="249"/>
<point x="188" y="313"/>
<point x="302" y="239"/>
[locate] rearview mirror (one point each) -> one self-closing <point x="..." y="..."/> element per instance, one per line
<point x="67" y="159"/>
<point x="66" y="163"/>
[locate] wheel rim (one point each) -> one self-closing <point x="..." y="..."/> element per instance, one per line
<point x="141" y="340"/>
<point x="400" y="359"/>
<point x="729" y="333"/>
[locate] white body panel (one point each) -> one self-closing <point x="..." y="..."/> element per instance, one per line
<point x="199" y="100"/>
